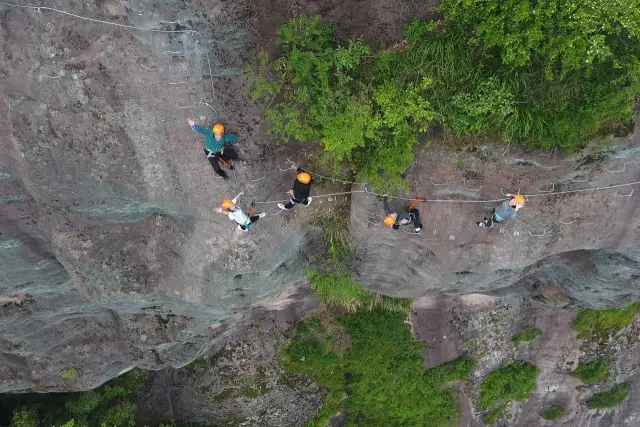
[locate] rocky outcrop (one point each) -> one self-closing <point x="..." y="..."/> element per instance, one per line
<point x="581" y="242"/>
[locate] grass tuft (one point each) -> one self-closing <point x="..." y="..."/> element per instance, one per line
<point x="525" y="335"/>
<point x="600" y="322"/>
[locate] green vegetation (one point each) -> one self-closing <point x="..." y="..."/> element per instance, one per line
<point x="68" y="373"/>
<point x="337" y="289"/>
<point x="553" y="413"/>
<point x="548" y="74"/>
<point x="108" y="406"/>
<point x="525" y="335"/>
<point x="337" y="236"/>
<point x="601" y="322"/>
<point x="610" y="398"/>
<point x="593" y="372"/>
<point x="514" y="381"/>
<point x="378" y="379"/>
<point x="496" y="413"/>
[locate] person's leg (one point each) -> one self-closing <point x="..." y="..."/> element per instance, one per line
<point x="230" y="153"/>
<point x="416" y="219"/>
<point x="254" y="218"/>
<point x="289" y="204"/>
<point x="216" y="167"/>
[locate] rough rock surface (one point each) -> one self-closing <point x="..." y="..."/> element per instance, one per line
<point x="585" y="243"/>
<point x="107" y="225"/>
<point x="482" y="326"/>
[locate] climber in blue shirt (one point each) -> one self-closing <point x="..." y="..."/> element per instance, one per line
<point x="215" y="141"/>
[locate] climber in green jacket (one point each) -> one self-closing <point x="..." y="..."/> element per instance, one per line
<point x="215" y="141"/>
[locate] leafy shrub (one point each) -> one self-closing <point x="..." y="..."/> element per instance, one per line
<point x="598" y="322"/>
<point x="560" y="36"/>
<point x="553" y="413"/>
<point x="540" y="74"/>
<point x="24" y="417"/>
<point x="382" y="371"/>
<point x="593" y="372"/>
<point x="108" y="405"/>
<point x="525" y="335"/>
<point x="325" y="93"/>
<point x="609" y="398"/>
<point x="514" y="381"/>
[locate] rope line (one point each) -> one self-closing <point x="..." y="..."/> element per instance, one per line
<point x="554" y="193"/>
<point x="115" y="24"/>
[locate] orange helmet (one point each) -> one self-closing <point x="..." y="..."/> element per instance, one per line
<point x="519" y="199"/>
<point x="389" y="221"/>
<point x="304" y="177"/>
<point x="226" y="204"/>
<point x="218" y="129"/>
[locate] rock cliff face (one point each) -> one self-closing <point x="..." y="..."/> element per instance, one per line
<point x="583" y="241"/>
<point x="111" y="254"/>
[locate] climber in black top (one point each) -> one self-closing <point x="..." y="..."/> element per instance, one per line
<point x="300" y="191"/>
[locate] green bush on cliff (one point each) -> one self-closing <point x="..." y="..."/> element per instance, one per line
<point x="542" y="74"/>
<point x="379" y="379"/>
<point x="109" y="405"/>
<point x="553" y="413"/>
<point x="609" y="398"/>
<point x="600" y="322"/>
<point x="592" y="372"/>
<point x="514" y="381"/>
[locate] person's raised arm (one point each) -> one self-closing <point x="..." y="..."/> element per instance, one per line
<point x="195" y="127"/>
<point x="235" y="199"/>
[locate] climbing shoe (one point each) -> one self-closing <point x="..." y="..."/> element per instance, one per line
<point x="309" y="199"/>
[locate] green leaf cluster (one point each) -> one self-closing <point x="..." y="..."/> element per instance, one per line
<point x="609" y="398"/>
<point x="379" y="380"/>
<point x="514" y="381"/>
<point x="593" y="372"/>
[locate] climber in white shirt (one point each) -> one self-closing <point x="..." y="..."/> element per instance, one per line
<point x="244" y="221"/>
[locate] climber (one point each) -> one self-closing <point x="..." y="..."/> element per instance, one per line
<point x="244" y="221"/>
<point x="215" y="141"/>
<point x="507" y="210"/>
<point x="401" y="217"/>
<point x="300" y="191"/>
